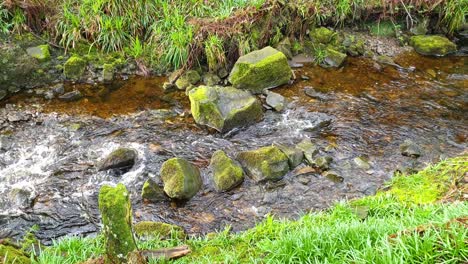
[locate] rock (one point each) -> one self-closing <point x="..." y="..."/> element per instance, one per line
<point x="108" y="72"/>
<point x="121" y="158"/>
<point x="333" y="59"/>
<point x="58" y="88"/>
<point x="169" y="87"/>
<point x="211" y="79"/>
<point x="188" y="78"/>
<point x="311" y="92"/>
<point x="181" y="179"/>
<point x="323" y="163"/>
<point x="227" y="173"/>
<point x="354" y="46"/>
<point x="321" y="35"/>
<point x="309" y="149"/>
<point x="277" y="101"/>
<point x="152" y="192"/>
<point x="71" y="96"/>
<point x="432" y="45"/>
<point x="224" y="108"/>
<point x="410" y="149"/>
<point x="295" y="155"/>
<point x="40" y="52"/>
<point x="116" y="213"/>
<point x="264" y="164"/>
<point x="362" y="163"/>
<point x="9" y="254"/>
<point x="149" y="229"/>
<point x="305" y="77"/>
<point x="333" y="176"/>
<point x="74" y="68"/>
<point x="285" y="47"/>
<point x="223" y="73"/>
<point x="22" y="197"/>
<point x="261" y="69"/>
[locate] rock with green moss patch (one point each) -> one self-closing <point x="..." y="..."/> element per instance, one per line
<point x="152" y="192"/>
<point x="227" y="173"/>
<point x="74" y="68"/>
<point x="295" y="155"/>
<point x="9" y="254"/>
<point x="149" y="229"/>
<point x="224" y="108"/>
<point x="333" y="58"/>
<point x="121" y="158"/>
<point x="108" y="72"/>
<point x="40" y="52"/>
<point x="322" y="35"/>
<point x="433" y="45"/>
<point x="211" y="79"/>
<point x="181" y="179"/>
<point x="354" y="46"/>
<point x="264" y="164"/>
<point x="116" y="213"/>
<point x="188" y="78"/>
<point x="261" y="69"/>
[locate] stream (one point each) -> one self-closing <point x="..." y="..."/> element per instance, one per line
<point x="49" y="148"/>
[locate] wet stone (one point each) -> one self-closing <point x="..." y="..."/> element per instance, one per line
<point x="181" y="179"/>
<point x="227" y="173"/>
<point x="277" y="101"/>
<point x="362" y="162"/>
<point x="323" y="163"/>
<point x="122" y="158"/>
<point x="264" y="164"/>
<point x="71" y="96"/>
<point x="334" y="176"/>
<point x="311" y="92"/>
<point x="152" y="192"/>
<point x="410" y="149"/>
<point x="309" y="149"/>
<point x="295" y="155"/>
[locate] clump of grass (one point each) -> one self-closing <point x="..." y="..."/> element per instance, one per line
<point x="215" y="54"/>
<point x="455" y="14"/>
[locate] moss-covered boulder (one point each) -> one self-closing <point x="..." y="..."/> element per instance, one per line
<point x="181" y="179"/>
<point x="333" y="58"/>
<point x="295" y="155"/>
<point x="40" y="52"/>
<point x="116" y="213"/>
<point x="187" y="79"/>
<point x="152" y="192"/>
<point x="322" y="35"/>
<point x="121" y="158"/>
<point x="432" y="45"/>
<point x="264" y="164"/>
<point x="227" y="173"/>
<point x="224" y="108"/>
<point x="74" y="68"/>
<point x="261" y="69"/>
<point x="108" y="72"/>
<point x="12" y="254"/>
<point x="149" y="229"/>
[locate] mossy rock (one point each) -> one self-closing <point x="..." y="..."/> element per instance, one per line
<point x="295" y="155"/>
<point x="261" y="69"/>
<point x="121" y="158"/>
<point x="322" y="35"/>
<point x="108" y="72"/>
<point x="382" y="28"/>
<point x="152" y="192"/>
<point x="116" y="213"/>
<point x="40" y="52"/>
<point x="264" y="164"/>
<point x="227" y="173"/>
<point x="149" y="229"/>
<point x="74" y="68"/>
<point x="181" y="179"/>
<point x="224" y="108"/>
<point x="10" y="254"/>
<point x="354" y="46"/>
<point x="285" y="47"/>
<point x="333" y="59"/>
<point x="433" y="45"/>
<point x="191" y="77"/>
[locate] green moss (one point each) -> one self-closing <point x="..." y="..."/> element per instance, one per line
<point x="116" y="213"/>
<point x="11" y="255"/>
<point x="433" y="45"/>
<point x="261" y="69"/>
<point x="188" y="78"/>
<point x="181" y="179"/>
<point x="267" y="163"/>
<point x="40" y="52"/>
<point x="382" y="28"/>
<point x="227" y="173"/>
<point x="74" y="67"/>
<point x="322" y="35"/>
<point x="204" y="108"/>
<point x="158" y="230"/>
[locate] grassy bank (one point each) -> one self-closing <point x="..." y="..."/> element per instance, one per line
<point x="170" y="34"/>
<point x="420" y="218"/>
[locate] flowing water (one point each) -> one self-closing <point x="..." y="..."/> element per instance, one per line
<point x="49" y="149"/>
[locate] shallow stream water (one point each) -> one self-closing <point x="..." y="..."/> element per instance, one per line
<point x="49" y="148"/>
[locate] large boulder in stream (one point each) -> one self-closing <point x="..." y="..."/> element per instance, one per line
<point x="227" y="173"/>
<point x="116" y="213"/>
<point x="261" y="69"/>
<point x="433" y="45"/>
<point x="224" y="108"/>
<point x="181" y="179"/>
<point x="264" y="164"/>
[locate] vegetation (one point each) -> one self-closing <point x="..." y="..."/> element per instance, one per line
<point x="417" y="220"/>
<point x="171" y="34"/>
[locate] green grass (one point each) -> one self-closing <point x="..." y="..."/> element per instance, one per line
<point x="404" y="224"/>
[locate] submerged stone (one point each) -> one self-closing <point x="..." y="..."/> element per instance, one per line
<point x="227" y="173"/>
<point x="152" y="192"/>
<point x="224" y="108"/>
<point x="71" y="96"/>
<point x="121" y="158"/>
<point x="264" y="164"/>
<point x="74" y="68"/>
<point x="181" y="179"/>
<point x="116" y="213"/>
<point x="187" y="79"/>
<point x="261" y="69"/>
<point x="40" y="52"/>
<point x="159" y="230"/>
<point x="433" y="45"/>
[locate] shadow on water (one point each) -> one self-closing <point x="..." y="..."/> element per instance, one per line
<point x="49" y="149"/>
